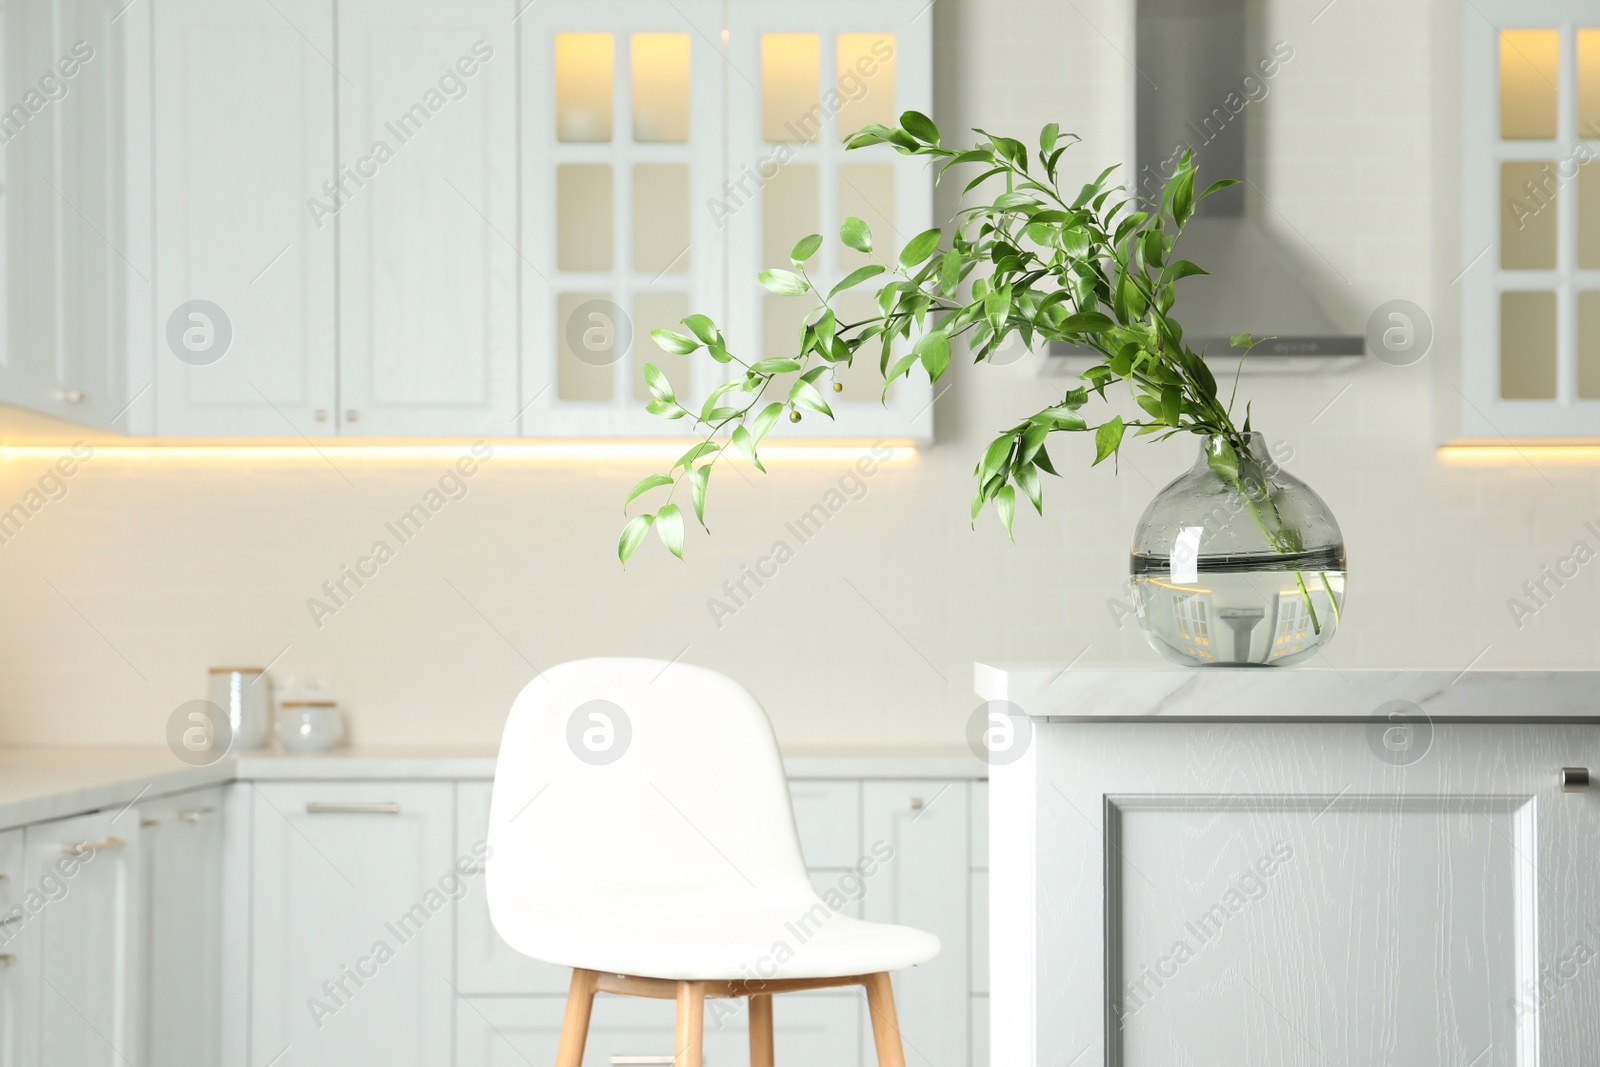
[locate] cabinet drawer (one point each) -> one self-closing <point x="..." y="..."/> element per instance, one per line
<point x="516" y="1031"/>
<point x="827" y="816"/>
<point x="484" y="962"/>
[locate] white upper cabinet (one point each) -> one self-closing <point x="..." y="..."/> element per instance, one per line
<point x="803" y="78"/>
<point x="428" y="264"/>
<point x="244" y="277"/>
<point x="622" y="128"/>
<point x="77" y="268"/>
<point x="1531" y="200"/>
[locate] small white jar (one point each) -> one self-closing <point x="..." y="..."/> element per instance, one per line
<point x="309" y="725"/>
<point x="245" y="696"/>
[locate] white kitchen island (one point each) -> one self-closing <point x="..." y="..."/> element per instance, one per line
<point x="1256" y="868"/>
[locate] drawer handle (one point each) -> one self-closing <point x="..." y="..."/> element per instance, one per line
<point x="1574" y="779"/>
<point x="194" y="814"/>
<point x="6" y="959"/>
<point x="317" y="807"/>
<point x="641" y="1061"/>
<point x="80" y="847"/>
<point x="14" y="917"/>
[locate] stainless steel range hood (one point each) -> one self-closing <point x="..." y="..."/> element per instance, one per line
<point x="1195" y="88"/>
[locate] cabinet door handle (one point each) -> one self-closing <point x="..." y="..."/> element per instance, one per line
<point x="641" y="1061"/>
<point x="14" y="917"/>
<point x="6" y="959"/>
<point x="194" y="814"/>
<point x="1574" y="779"/>
<point x="78" y="848"/>
<point x="317" y="807"/>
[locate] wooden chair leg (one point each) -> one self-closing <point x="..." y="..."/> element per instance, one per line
<point x="761" y="1031"/>
<point x="575" y="1024"/>
<point x="691" y="1024"/>
<point x="885" y="1023"/>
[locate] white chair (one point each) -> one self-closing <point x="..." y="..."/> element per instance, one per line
<point x="641" y="834"/>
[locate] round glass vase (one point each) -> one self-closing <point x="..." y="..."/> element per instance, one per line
<point x="1237" y="562"/>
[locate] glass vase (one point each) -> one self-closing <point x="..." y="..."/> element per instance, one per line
<point x="1237" y="562"/>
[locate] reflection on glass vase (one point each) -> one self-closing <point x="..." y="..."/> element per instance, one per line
<point x="1237" y="562"/>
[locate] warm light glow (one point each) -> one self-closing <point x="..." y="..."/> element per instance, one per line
<point x="552" y="452"/>
<point x="1508" y="455"/>
<point x="1530" y="71"/>
<point x="866" y="80"/>
<point x="1589" y="83"/>
<point x="791" y="86"/>
<point x="660" y="63"/>
<point x="584" y="73"/>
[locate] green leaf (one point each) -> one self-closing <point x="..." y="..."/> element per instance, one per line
<point x="920" y="126"/>
<point x="934" y="352"/>
<point x="1219" y="184"/>
<point x="1047" y="137"/>
<point x="855" y="234"/>
<point x="703" y="328"/>
<point x="646" y="484"/>
<point x="1028" y="478"/>
<point x="805" y="395"/>
<point x="994" y="458"/>
<point x="1180" y="268"/>
<point x="856" y="277"/>
<point x="804" y="249"/>
<point x="920" y="247"/>
<point x="1005" y="502"/>
<point x="698" y="478"/>
<point x="1241" y="340"/>
<point x="776" y="365"/>
<point x="632" y="534"/>
<point x="1088" y="322"/>
<point x="711" y="401"/>
<point x="657" y="382"/>
<point x="1107" y="438"/>
<point x="698" y="451"/>
<point x="667" y="409"/>
<point x="1221" y="458"/>
<point x="745" y="442"/>
<point x="676" y="343"/>
<point x="782" y="282"/>
<point x="669" y="525"/>
<point x="950" y="272"/>
<point x="1171" y="404"/>
<point x="763" y="422"/>
<point x="825" y="327"/>
<point x="902" y="365"/>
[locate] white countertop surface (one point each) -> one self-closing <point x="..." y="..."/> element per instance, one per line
<point x="1066" y="693"/>
<point x="50" y="783"/>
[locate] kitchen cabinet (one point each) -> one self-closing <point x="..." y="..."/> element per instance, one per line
<point x="428" y="265"/>
<point x="77" y="265"/>
<point x="244" y="222"/>
<point x="925" y="885"/>
<point x="181" y="867"/>
<point x="81" y="1002"/>
<point x="352" y="922"/>
<point x="10" y="937"/>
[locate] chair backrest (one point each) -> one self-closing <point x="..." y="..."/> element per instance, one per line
<point x="636" y="778"/>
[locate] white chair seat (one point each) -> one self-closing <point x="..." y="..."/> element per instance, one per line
<point x="756" y="937"/>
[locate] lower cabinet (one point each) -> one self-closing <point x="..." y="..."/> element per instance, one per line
<point x="80" y="1003"/>
<point x="181" y="857"/>
<point x="10" y="937"/>
<point x="352" y="915"/>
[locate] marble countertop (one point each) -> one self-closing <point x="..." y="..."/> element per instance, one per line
<point x="50" y="783"/>
<point x="1067" y="693"/>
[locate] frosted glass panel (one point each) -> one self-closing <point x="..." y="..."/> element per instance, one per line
<point x="1589" y="83"/>
<point x="866" y="190"/>
<point x="866" y="81"/>
<point x="1589" y="345"/>
<point x="780" y="321"/>
<point x="584" y="76"/>
<point x="660" y="86"/>
<point x="791" y="86"/>
<point x="789" y="211"/>
<point x="659" y="311"/>
<point x="1528" y="213"/>
<point x="1530" y="71"/>
<point x="583" y="216"/>
<point x="661" y="217"/>
<point x="1589" y="216"/>
<point x="588" y="345"/>
<point x="1528" y="346"/>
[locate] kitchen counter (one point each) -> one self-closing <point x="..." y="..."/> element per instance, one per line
<point x="1057" y="693"/>
<point x="48" y="783"/>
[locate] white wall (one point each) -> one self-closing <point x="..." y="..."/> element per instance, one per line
<point x="119" y="595"/>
